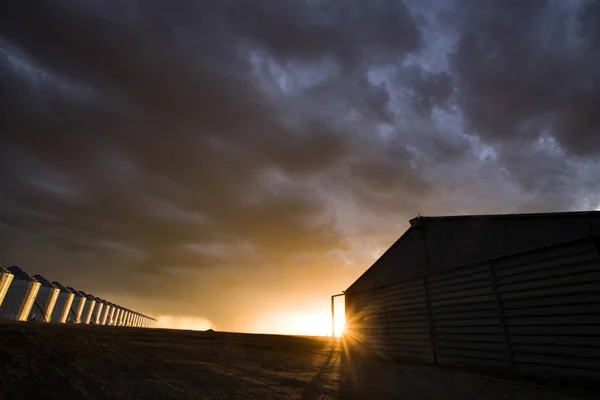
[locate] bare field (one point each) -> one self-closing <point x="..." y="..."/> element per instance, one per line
<point x="94" y="362"/>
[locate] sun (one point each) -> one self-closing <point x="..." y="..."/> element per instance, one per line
<point x="339" y="324"/>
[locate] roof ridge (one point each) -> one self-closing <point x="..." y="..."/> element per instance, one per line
<point x="508" y="215"/>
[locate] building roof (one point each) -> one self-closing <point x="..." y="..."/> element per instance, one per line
<point x="434" y="243"/>
<point x="568" y="214"/>
<point x="20" y="274"/>
<point x="45" y="282"/>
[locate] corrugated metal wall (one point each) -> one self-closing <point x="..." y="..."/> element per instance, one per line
<point x="534" y="312"/>
<point x="460" y="241"/>
<point x="393" y="321"/>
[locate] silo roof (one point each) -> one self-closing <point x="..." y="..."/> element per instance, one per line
<point x="45" y="282"/>
<point x="87" y="296"/>
<point x="75" y="292"/>
<point x="61" y="287"/>
<point x="20" y="274"/>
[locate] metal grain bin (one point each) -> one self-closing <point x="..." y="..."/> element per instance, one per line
<point x="63" y="304"/>
<point x="76" y="311"/>
<point x="88" y="308"/>
<point x="122" y="316"/>
<point x="104" y="320"/>
<point x="117" y="317"/>
<point x="96" y="311"/>
<point x="45" y="301"/>
<point x="20" y="295"/>
<point x="6" y="279"/>
<point x="110" y="320"/>
<point x="126" y="317"/>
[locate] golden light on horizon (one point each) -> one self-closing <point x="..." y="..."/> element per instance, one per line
<point x="304" y="322"/>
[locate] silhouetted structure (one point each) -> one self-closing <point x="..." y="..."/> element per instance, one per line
<point x="509" y="291"/>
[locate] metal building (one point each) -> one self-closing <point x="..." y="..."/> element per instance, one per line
<point x="75" y="315"/>
<point x="20" y="295"/>
<point x="6" y="279"/>
<point x="517" y="292"/>
<point x="63" y="304"/>
<point x="44" y="302"/>
<point x="88" y="308"/>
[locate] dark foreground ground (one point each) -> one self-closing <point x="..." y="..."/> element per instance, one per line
<point x="87" y="362"/>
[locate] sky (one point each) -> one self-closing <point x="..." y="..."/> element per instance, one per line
<point x="232" y="163"/>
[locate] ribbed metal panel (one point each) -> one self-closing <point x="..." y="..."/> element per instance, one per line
<point x="459" y="241"/>
<point x="466" y="319"/>
<point x="6" y="279"/>
<point x="551" y="304"/>
<point x="19" y="299"/>
<point x="392" y="321"/>
<point x="534" y="312"/>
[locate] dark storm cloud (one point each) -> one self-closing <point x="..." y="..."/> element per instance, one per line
<point x="138" y="129"/>
<point x="529" y="68"/>
<point x="180" y="144"/>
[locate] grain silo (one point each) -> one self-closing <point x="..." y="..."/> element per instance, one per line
<point x="97" y="310"/>
<point x="76" y="313"/>
<point x="127" y="317"/>
<point x="137" y="320"/>
<point x="122" y="317"/>
<point x="44" y="303"/>
<point x="6" y="279"/>
<point x="111" y="315"/>
<point x="517" y="292"/>
<point x="88" y="308"/>
<point x="63" y="304"/>
<point x="117" y="317"/>
<point x="20" y="295"/>
<point x="105" y="319"/>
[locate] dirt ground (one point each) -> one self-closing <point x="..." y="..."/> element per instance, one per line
<point x="94" y="362"/>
